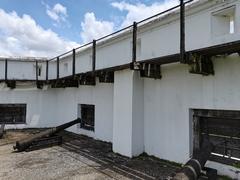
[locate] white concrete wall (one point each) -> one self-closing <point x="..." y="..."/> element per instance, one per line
<point x="52" y="107"/>
<point x="116" y="52"/>
<point x="128" y="130"/>
<point x="40" y="105"/>
<point x="100" y="95"/>
<point x="65" y="66"/>
<point x="2" y="69"/>
<point x="122" y="112"/>
<point x="84" y="61"/>
<point x="52" y="70"/>
<point x="137" y="115"/>
<point x="167" y="103"/>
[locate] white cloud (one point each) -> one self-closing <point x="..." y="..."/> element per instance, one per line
<point x="139" y="11"/>
<point x="22" y="36"/>
<point x="58" y="12"/>
<point x="93" y="28"/>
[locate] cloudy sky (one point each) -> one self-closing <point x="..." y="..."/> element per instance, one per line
<point x="46" y="28"/>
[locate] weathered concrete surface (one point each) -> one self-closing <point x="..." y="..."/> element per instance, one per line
<point x="79" y="157"/>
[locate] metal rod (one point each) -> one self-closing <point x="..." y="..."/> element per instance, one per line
<point x="36" y="72"/>
<point x="73" y="62"/>
<point x="134" y="42"/>
<point x="170" y="9"/>
<point x="182" y="32"/>
<point x="94" y="55"/>
<point x="57" y="67"/>
<point x="47" y="62"/>
<point x="114" y="33"/>
<point x="6" y="69"/>
<point x="83" y="46"/>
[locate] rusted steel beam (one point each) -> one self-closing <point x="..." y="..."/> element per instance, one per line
<point x="182" y="32"/>
<point x="73" y="62"/>
<point x="26" y="143"/>
<point x="93" y="56"/>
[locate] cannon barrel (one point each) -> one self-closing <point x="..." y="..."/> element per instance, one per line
<point x="193" y="168"/>
<point x="26" y="143"/>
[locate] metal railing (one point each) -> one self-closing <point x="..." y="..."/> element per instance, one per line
<point x="132" y="27"/>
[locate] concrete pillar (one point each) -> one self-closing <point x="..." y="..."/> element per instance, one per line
<point x="128" y="117"/>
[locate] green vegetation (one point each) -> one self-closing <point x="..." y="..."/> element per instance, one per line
<point x="237" y="165"/>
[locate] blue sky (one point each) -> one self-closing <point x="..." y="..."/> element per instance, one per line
<point x="49" y="27"/>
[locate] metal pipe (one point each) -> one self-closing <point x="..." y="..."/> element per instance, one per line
<point x="57" y="67"/>
<point x="73" y="62"/>
<point x="134" y="42"/>
<point x="6" y="69"/>
<point x="36" y="72"/>
<point x="94" y="55"/>
<point x="47" y="62"/>
<point x="182" y="32"/>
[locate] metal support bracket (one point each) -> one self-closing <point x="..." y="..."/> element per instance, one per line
<point x="106" y="76"/>
<point x="150" y="70"/>
<point x="200" y="64"/>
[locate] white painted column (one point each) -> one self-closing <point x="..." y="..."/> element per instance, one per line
<point x="128" y="118"/>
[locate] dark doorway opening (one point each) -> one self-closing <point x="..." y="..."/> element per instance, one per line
<point x="222" y="128"/>
<point x="87" y="116"/>
<point x="13" y="113"/>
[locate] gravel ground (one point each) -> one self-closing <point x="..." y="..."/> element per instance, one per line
<point x="79" y="157"/>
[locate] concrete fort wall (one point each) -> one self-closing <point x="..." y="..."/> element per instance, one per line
<point x="139" y="114"/>
<point x="167" y="104"/>
<point x="166" y="130"/>
<point x="52" y="107"/>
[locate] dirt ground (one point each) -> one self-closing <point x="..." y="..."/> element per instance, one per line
<point x="79" y="157"/>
